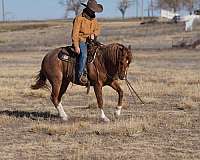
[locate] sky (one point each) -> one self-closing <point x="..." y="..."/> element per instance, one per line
<point x="51" y="9"/>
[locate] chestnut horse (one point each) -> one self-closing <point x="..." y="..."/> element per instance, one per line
<point x="110" y="63"/>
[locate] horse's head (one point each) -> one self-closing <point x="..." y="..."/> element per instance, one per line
<point x="125" y="59"/>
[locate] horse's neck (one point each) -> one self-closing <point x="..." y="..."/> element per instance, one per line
<point x="108" y="63"/>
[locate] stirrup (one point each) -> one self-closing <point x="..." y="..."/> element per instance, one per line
<point x="83" y="79"/>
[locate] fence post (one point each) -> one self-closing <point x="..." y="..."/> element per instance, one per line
<point x="3" y="11"/>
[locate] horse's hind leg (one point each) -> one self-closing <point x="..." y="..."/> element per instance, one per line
<point x="115" y="85"/>
<point x="58" y="90"/>
<point x="65" y="84"/>
<point x="63" y="89"/>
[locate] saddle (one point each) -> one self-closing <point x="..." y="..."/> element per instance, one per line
<point x="68" y="54"/>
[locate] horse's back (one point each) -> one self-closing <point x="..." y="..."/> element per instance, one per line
<point x="52" y="55"/>
<point x="54" y="67"/>
<point x="51" y="64"/>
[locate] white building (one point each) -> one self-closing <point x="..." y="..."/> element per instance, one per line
<point x="189" y="19"/>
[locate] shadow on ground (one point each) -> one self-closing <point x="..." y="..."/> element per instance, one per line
<point x="30" y="115"/>
<point x="43" y="116"/>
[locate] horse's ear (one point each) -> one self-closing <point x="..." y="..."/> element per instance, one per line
<point x="129" y="47"/>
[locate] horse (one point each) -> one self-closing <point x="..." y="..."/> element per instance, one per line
<point x="109" y="65"/>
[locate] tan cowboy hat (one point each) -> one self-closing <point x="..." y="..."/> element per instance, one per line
<point x="94" y="6"/>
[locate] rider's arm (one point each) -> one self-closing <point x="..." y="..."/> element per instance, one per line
<point x="75" y="31"/>
<point x="97" y="29"/>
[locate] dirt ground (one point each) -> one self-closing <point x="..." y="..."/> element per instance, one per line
<point x="168" y="80"/>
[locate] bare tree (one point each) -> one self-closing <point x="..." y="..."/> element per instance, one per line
<point x="123" y="6"/>
<point x="190" y="5"/>
<point x="151" y="7"/>
<point x="72" y="5"/>
<point x="170" y="4"/>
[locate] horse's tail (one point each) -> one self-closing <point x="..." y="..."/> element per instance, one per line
<point x="40" y="81"/>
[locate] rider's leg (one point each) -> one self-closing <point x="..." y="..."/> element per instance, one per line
<point x="82" y="62"/>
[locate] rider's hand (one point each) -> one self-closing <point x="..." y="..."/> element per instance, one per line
<point x="77" y="49"/>
<point x="92" y="36"/>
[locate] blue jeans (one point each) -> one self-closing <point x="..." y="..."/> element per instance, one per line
<point x="82" y="58"/>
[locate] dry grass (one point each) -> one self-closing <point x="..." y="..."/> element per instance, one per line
<point x="167" y="127"/>
<point x="20" y="26"/>
<point x="5" y="120"/>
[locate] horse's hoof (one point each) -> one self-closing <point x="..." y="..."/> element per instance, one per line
<point x="64" y="119"/>
<point x="117" y="114"/>
<point x="105" y="120"/>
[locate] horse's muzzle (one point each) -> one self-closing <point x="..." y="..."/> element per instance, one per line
<point x="122" y="76"/>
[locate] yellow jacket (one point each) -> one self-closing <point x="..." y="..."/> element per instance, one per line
<point x="82" y="28"/>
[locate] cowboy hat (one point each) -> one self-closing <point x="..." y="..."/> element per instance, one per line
<point x="94" y="6"/>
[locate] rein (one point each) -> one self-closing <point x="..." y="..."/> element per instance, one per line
<point x="132" y="90"/>
<point x="95" y="54"/>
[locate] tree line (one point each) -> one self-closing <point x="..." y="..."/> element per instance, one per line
<point x="123" y="5"/>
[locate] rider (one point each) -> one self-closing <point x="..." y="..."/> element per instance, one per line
<point x="85" y="25"/>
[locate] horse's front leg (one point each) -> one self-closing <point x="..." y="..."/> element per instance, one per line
<point x="98" y="93"/>
<point x="115" y="85"/>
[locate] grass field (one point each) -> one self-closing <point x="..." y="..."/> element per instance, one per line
<point x="168" y="80"/>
